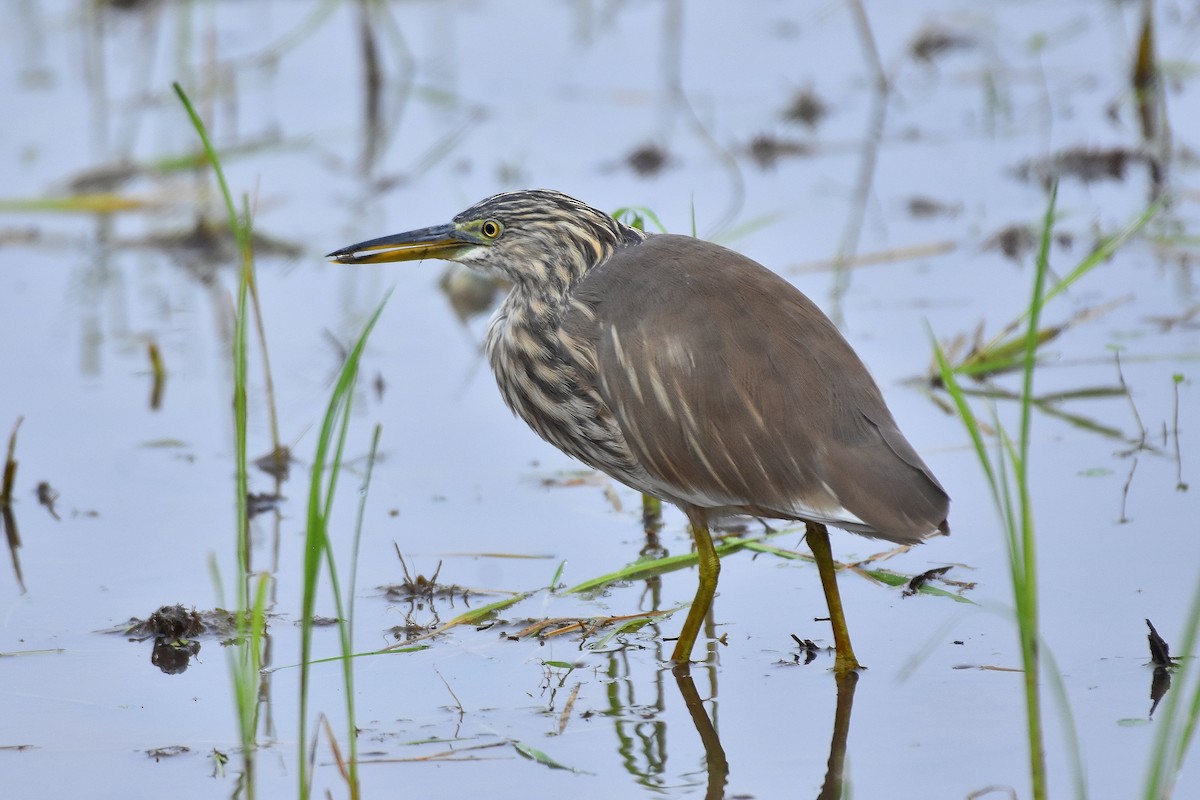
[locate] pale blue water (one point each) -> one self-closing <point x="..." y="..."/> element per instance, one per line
<point x="485" y="96"/>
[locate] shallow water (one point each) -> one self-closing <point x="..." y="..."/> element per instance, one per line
<point x="480" y="97"/>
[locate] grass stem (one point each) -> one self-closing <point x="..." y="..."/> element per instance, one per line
<point x="246" y="658"/>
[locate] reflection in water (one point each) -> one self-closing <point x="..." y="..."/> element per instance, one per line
<point x="469" y="293"/>
<point x="173" y="656"/>
<point x="679" y="105"/>
<point x="173" y="629"/>
<point x="640" y="727"/>
<point x="831" y="789"/>
<point x="30" y="46"/>
<point x="277" y="463"/>
<point x="642" y="730"/>
<point x="1152" y="105"/>
<point x="373" y="81"/>
<point x="876" y="124"/>
<point x="158" y="373"/>
<point x="124" y="291"/>
<point x="1160" y="684"/>
<point x="652" y="524"/>
<point x="714" y="755"/>
<point x="8" y="520"/>
<point x="639" y="724"/>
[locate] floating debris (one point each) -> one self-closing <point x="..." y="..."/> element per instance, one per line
<point x="470" y="293"/>
<point x="170" y="751"/>
<point x="219" y="760"/>
<point x="276" y="463"/>
<point x="420" y="586"/>
<point x="1087" y="164"/>
<point x="806" y="108"/>
<point x="47" y="497"/>
<point x="807" y="648"/>
<point x="935" y="41"/>
<point x="918" y="581"/>
<point x="767" y="150"/>
<point x="647" y="160"/>
<point x="926" y="207"/>
<point x="174" y="622"/>
<point x="1160" y="656"/>
<point x="259" y="502"/>
<point x="174" y="629"/>
<point x="1160" y="651"/>
<point x="104" y="178"/>
<point x="1016" y="241"/>
<point x="1188" y="319"/>
<point x="209" y="243"/>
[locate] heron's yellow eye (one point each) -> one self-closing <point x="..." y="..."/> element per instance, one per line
<point x="490" y="228"/>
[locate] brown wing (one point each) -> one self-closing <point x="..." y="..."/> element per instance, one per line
<point x="733" y="389"/>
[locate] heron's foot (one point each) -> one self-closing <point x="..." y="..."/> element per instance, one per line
<point x="845" y="663"/>
<point x="681" y="669"/>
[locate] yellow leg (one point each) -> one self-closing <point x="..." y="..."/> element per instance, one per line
<point x="818" y="541"/>
<point x="710" y="568"/>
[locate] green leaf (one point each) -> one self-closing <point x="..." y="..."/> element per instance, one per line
<point x="534" y="754"/>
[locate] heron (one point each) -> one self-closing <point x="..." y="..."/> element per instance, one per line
<point x="688" y="372"/>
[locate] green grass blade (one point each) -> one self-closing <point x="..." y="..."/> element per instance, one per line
<point x="636" y="217"/>
<point x="210" y="151"/>
<point x="1104" y="250"/>
<point x="477" y="615"/>
<point x="1008" y="479"/>
<point x="97" y="203"/>
<point x="558" y="573"/>
<point x="387" y="651"/>
<point x="984" y="360"/>
<point x="969" y="420"/>
<point x="534" y="754"/>
<point x="317" y="549"/>
<point x="628" y="626"/>
<point x="884" y="576"/>
<point x="647" y="568"/>
<point x="1027" y="599"/>
<point x="246" y="660"/>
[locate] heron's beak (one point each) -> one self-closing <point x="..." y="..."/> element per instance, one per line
<point x="440" y="241"/>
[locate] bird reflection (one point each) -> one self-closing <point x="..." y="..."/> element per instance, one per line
<point x="651" y="729"/>
<point x="716" y="762"/>
<point x="714" y="755"/>
<point x="641" y="725"/>
<point x="831" y="789"/>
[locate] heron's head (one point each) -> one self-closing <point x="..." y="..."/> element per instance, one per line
<point x="538" y="240"/>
